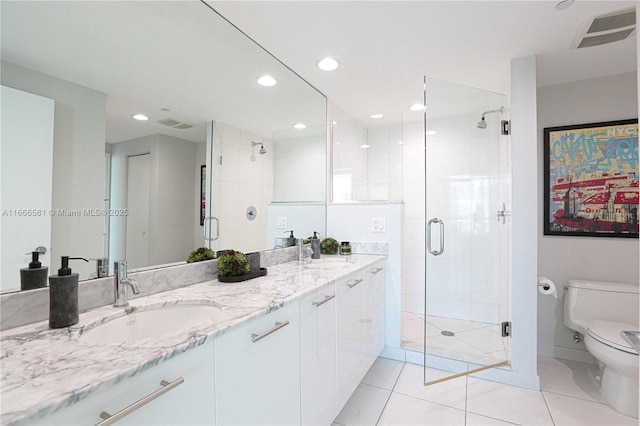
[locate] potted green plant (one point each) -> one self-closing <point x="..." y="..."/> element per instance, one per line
<point x="329" y="246"/>
<point x="201" y="254"/>
<point x="233" y="264"/>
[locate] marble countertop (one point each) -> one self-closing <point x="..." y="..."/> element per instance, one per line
<point x="44" y="370"/>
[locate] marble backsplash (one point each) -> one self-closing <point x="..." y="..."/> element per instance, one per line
<point x="26" y="307"/>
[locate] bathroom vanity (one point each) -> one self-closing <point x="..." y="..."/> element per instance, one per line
<point x="287" y="348"/>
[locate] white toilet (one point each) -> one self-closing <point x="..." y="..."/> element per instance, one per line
<point x="600" y="311"/>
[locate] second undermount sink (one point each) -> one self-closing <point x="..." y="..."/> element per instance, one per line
<point x="152" y="322"/>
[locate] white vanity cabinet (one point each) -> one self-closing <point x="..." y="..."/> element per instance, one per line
<point x="360" y="325"/>
<point x="318" y="339"/>
<point x="376" y="275"/>
<point x="190" y="402"/>
<point x="257" y="371"/>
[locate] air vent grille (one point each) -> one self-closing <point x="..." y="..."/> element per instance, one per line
<point x="605" y="38"/>
<point x="175" y="124"/>
<point x="604" y="29"/>
<point x="625" y="18"/>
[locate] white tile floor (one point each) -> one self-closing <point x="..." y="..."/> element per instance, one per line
<point x="392" y="394"/>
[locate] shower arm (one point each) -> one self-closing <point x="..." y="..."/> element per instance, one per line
<point x="500" y="110"/>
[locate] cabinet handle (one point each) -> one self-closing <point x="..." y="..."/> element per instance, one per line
<point x="323" y="301"/>
<point x="355" y="283"/>
<point x="166" y="387"/>
<point x="279" y="325"/>
<point x="375" y="271"/>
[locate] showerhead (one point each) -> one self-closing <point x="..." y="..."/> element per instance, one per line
<point x="262" y="148"/>
<point x="483" y="124"/>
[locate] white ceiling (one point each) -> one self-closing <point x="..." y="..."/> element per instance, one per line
<point x="148" y="55"/>
<point x="385" y="47"/>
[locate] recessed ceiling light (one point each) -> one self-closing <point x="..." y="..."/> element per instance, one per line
<point x="267" y="80"/>
<point x="327" y="64"/>
<point x="376" y="115"/>
<point x="564" y="4"/>
<point x="140" y="117"/>
<point x="417" y="107"/>
<point x="399" y="142"/>
<point x="300" y="126"/>
<point x="365" y="146"/>
<point x="431" y="132"/>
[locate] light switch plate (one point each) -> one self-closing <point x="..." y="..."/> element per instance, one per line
<point x="281" y="222"/>
<point x="378" y="224"/>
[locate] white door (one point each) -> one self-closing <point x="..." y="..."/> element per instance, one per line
<point x="26" y="159"/>
<point x="137" y="234"/>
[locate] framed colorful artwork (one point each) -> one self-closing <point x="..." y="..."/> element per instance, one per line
<point x="591" y="179"/>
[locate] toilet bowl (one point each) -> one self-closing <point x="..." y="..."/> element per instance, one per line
<point x="618" y="363"/>
<point x="600" y="311"/>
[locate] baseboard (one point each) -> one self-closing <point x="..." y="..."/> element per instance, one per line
<point x="566" y="353"/>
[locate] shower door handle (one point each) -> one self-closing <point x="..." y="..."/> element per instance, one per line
<point x="210" y="219"/>
<point x="429" y="249"/>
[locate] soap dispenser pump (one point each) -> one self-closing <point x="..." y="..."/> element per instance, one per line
<point x="291" y="240"/>
<point x="315" y="246"/>
<point x="63" y="296"/>
<point x="35" y="276"/>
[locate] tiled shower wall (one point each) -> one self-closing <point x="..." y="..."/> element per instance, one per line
<point x="465" y="191"/>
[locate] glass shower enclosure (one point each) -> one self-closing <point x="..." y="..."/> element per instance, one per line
<point x="467" y="230"/>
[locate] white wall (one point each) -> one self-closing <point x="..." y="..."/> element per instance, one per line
<point x="78" y="162"/>
<point x="562" y="258"/>
<point x="26" y="147"/>
<point x="172" y="201"/>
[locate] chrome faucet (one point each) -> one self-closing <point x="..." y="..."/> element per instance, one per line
<point x="121" y="282"/>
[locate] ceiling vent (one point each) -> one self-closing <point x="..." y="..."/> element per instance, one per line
<point x="606" y="28"/>
<point x="175" y="124"/>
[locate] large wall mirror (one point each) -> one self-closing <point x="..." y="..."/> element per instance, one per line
<point x="103" y="184"/>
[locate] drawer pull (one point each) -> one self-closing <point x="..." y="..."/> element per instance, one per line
<point x="166" y="387"/>
<point x="323" y="301"/>
<point x="279" y="325"/>
<point x="375" y="271"/>
<point x="355" y="283"/>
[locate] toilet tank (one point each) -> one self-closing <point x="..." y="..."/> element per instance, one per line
<point x="590" y="300"/>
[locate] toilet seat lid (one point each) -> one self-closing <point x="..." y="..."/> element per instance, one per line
<point x="608" y="332"/>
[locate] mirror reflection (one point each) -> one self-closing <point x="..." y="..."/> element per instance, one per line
<point x="367" y="157"/>
<point x="99" y="183"/>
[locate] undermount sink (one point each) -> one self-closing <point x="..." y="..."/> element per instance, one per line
<point x="153" y="322"/>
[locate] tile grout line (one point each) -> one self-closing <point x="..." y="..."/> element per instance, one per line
<point x="546" y="404"/>
<point x="391" y="393"/>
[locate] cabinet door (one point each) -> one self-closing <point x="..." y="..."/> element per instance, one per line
<point x="258" y="371"/>
<point x="191" y="402"/>
<point x="376" y="278"/>
<point x="318" y="357"/>
<point x="352" y="301"/>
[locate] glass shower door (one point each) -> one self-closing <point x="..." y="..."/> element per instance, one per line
<point x="467" y="226"/>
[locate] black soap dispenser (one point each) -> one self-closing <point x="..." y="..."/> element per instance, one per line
<point x="63" y="296"/>
<point x="291" y="240"/>
<point x="315" y="246"/>
<point x="35" y="276"/>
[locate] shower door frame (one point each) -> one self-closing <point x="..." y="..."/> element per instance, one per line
<point x="504" y="244"/>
